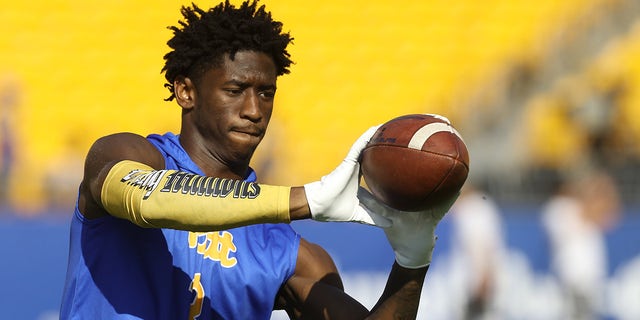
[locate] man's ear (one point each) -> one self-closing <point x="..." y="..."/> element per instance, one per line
<point x="185" y="91"/>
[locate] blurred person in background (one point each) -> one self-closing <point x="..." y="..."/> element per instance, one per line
<point x="576" y="217"/>
<point x="478" y="243"/>
<point x="9" y="101"/>
<point x="177" y="227"/>
<point x="64" y="172"/>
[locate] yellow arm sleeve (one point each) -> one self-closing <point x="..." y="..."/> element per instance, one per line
<point x="181" y="200"/>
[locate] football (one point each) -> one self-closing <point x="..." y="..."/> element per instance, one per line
<point x="414" y="161"/>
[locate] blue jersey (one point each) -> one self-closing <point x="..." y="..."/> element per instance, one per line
<point x="117" y="270"/>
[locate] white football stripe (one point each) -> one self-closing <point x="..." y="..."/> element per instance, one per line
<point x="421" y="136"/>
<point x="443" y="118"/>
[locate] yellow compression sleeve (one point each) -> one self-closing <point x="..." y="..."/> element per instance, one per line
<point x="181" y="200"/>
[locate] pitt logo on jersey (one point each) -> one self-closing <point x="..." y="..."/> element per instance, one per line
<point x="216" y="245"/>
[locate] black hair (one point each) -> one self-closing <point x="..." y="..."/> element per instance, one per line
<point x="202" y="40"/>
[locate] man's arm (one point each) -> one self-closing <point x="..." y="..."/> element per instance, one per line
<point x="102" y="156"/>
<point x="315" y="291"/>
<point x="125" y="177"/>
<point x="401" y="296"/>
<point x="412" y="238"/>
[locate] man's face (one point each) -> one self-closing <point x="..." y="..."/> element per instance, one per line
<point x="233" y="105"/>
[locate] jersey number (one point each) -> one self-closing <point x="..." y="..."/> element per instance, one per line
<point x="196" y="304"/>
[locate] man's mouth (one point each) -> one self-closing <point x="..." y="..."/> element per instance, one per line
<point x="248" y="131"/>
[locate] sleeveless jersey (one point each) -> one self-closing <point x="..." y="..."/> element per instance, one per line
<point x="117" y="270"/>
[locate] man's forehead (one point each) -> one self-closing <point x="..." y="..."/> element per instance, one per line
<point x="248" y="64"/>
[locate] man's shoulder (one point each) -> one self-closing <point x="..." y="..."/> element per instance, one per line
<point x="125" y="146"/>
<point x="125" y="141"/>
<point x="122" y="137"/>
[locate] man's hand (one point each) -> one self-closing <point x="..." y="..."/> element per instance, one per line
<point x="411" y="234"/>
<point x="334" y="197"/>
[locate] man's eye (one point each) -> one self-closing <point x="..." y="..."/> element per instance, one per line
<point x="234" y="91"/>
<point x="268" y="93"/>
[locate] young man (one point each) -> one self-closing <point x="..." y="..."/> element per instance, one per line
<point x="176" y="227"/>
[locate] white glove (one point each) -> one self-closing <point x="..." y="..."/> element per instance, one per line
<point x="334" y="197"/>
<point x="411" y="234"/>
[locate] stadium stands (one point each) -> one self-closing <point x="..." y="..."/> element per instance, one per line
<point x="90" y="68"/>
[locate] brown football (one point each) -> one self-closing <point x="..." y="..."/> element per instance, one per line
<point x="414" y="161"/>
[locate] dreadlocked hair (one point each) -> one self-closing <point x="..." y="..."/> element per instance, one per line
<point x="202" y="40"/>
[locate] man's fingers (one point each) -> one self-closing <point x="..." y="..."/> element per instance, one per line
<point x="366" y="216"/>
